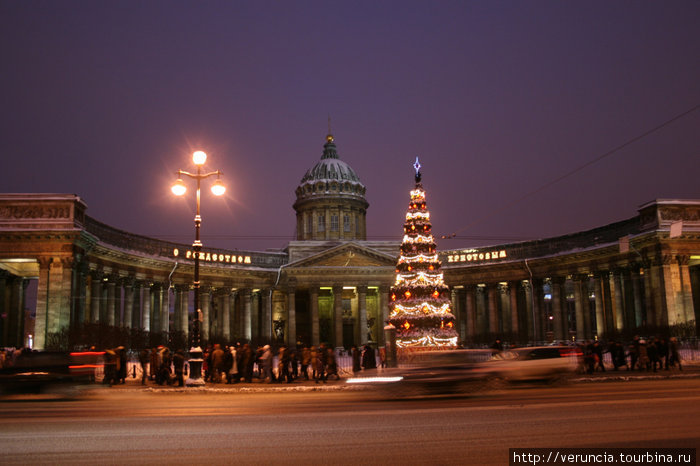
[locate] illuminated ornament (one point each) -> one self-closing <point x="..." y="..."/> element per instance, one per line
<point x="450" y="325"/>
<point x="407" y="294"/>
<point x="436" y="293"/>
<point x="442" y="324"/>
<point x="410" y="268"/>
<point x="406" y="325"/>
<point x="426" y="309"/>
<point x="430" y="267"/>
<point x="413" y="227"/>
<point x="393" y="297"/>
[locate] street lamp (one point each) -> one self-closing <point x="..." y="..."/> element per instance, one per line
<point x="179" y="188"/>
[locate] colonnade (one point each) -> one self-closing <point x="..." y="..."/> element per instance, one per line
<point x="582" y="306"/>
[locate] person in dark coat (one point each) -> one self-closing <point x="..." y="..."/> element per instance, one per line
<point x="356" y="360"/>
<point x="144" y="357"/>
<point x="179" y="366"/>
<point x="369" y="359"/>
<point x="228" y="364"/>
<point x="121" y="365"/>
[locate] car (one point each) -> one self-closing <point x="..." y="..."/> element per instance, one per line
<point x="49" y="372"/>
<point x="471" y="371"/>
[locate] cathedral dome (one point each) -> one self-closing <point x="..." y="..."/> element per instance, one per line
<point x="331" y="200"/>
<point x="330" y="167"/>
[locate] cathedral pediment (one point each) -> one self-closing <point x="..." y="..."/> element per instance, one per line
<point x="346" y="255"/>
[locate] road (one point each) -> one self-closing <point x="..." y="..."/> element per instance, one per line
<point x="342" y="427"/>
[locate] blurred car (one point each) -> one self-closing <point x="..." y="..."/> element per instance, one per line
<point x="467" y="371"/>
<point x="45" y="372"/>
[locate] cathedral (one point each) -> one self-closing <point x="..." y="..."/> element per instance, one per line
<point x="333" y="285"/>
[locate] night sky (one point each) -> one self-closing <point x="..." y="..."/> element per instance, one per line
<point x="514" y="108"/>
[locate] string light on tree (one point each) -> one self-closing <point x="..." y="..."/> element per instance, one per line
<point x="420" y="299"/>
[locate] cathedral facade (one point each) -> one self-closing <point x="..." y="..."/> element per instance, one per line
<point x="332" y="284"/>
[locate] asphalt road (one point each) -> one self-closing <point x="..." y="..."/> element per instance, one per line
<point x="342" y="427"/>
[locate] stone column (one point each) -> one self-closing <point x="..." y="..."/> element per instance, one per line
<point x="561" y="324"/>
<point x="146" y="307"/>
<point x="246" y="305"/>
<point x="658" y="301"/>
<point x="539" y="310"/>
<point x="184" y="293"/>
<point x="513" y="294"/>
<point x="618" y="300"/>
<point x="315" y="330"/>
<point x="161" y="303"/>
<point x="685" y="298"/>
<point x="529" y="309"/>
<point x="110" y="312"/>
<point x="362" y="313"/>
<point x="266" y="325"/>
<point x="95" y="296"/>
<point x="43" y="297"/>
<point x="338" y="315"/>
<point x="136" y="306"/>
<point x="204" y="304"/>
<point x="383" y="312"/>
<point x="255" y="314"/>
<point x="457" y="298"/>
<point x="637" y="286"/>
<point x="470" y="311"/>
<point x="291" y="318"/>
<point x="579" y="306"/>
<point x="494" y="323"/>
<point x="128" y="301"/>
<point x="81" y="272"/>
<point x="600" y="304"/>
<point x="226" y="314"/>
<point x="14" y="332"/>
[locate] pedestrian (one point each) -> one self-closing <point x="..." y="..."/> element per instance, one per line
<point x="653" y="354"/>
<point x="143" y="360"/>
<point x="153" y="363"/>
<point x="179" y="366"/>
<point x="110" y="365"/>
<point x="598" y="353"/>
<point x="662" y="347"/>
<point x="675" y="356"/>
<point x="331" y="364"/>
<point x="356" y="360"/>
<point x="283" y="374"/>
<point x="217" y="363"/>
<point x="643" y="357"/>
<point x="305" y="361"/>
<point x="121" y="364"/>
<point x="233" y="370"/>
<point x="369" y="359"/>
<point x="266" y="365"/>
<point x="227" y="364"/>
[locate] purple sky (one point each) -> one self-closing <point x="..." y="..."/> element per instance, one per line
<point x="498" y="98"/>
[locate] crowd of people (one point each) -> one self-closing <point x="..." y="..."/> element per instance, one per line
<point x="640" y="354"/>
<point x="242" y="363"/>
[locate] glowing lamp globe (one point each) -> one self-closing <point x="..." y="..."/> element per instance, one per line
<point x="199" y="157"/>
<point x="179" y="187"/>
<point x="218" y="188"/>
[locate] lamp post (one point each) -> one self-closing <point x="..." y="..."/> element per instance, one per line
<point x="218" y="188"/>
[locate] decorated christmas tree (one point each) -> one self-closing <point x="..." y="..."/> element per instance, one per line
<point x="420" y="299"/>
